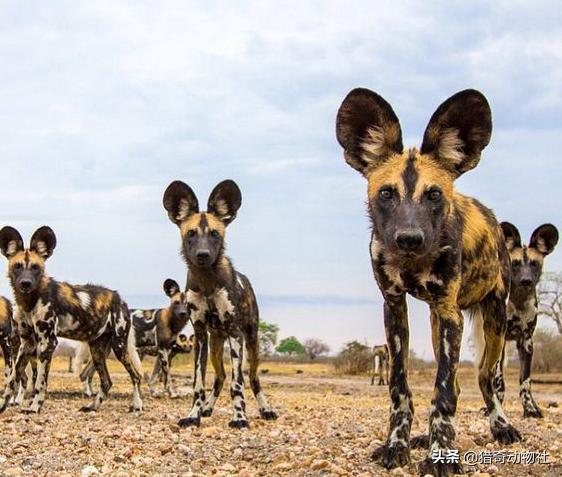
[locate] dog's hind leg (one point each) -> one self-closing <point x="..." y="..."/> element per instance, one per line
<point x="216" y="348"/>
<point x="99" y="350"/>
<point x="493" y="309"/>
<point x="252" y="347"/>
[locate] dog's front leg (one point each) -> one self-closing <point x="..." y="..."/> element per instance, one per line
<point x="396" y="450"/>
<point x="200" y="359"/>
<point x="447" y="327"/>
<point x="163" y="359"/>
<point x="525" y="349"/>
<point x="46" y="344"/>
<point x="239" y="419"/>
<point x="16" y="377"/>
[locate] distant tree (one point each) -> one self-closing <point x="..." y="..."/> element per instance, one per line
<point x="547" y="346"/>
<point x="268" y="337"/>
<point x="315" y="347"/>
<point x="354" y="358"/>
<point x="550" y="298"/>
<point x="290" y="346"/>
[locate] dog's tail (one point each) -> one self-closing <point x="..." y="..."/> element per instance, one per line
<point x="81" y="356"/>
<point x="132" y="347"/>
<point x="477" y="334"/>
<point x="377" y="363"/>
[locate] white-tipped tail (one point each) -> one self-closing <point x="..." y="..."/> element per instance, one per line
<point x="377" y="363"/>
<point x="132" y="351"/>
<point x="81" y="356"/>
<point x="477" y="335"/>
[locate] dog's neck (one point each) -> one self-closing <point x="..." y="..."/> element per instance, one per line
<point x="206" y="280"/>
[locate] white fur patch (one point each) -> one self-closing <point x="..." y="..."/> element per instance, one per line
<point x="199" y="303"/>
<point x="450" y="146"/>
<point x="12" y="248"/>
<point x="84" y="299"/>
<point x="223" y="304"/>
<point x="184" y="210"/>
<point x="375" y="248"/>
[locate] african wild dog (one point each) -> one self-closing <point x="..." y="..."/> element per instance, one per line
<point x="220" y="299"/>
<point x="10" y="343"/>
<point x="380" y="364"/>
<point x="157" y="329"/>
<point x="182" y="345"/>
<point x="526" y="269"/>
<point x="436" y="244"/>
<point x="47" y="308"/>
<point x="6" y="314"/>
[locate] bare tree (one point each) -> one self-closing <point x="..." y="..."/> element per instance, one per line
<point x="315" y="348"/>
<point x="550" y="298"/>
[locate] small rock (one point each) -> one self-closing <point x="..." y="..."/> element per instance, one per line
<point x="319" y="464"/>
<point x="552" y="404"/>
<point x="89" y="470"/>
<point x="492" y="469"/>
<point x="210" y="431"/>
<point x="13" y="471"/>
<point x="183" y="449"/>
<point x="283" y="466"/>
<point x="398" y="471"/>
<point x="300" y="371"/>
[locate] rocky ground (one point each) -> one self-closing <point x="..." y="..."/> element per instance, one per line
<point x="328" y="425"/>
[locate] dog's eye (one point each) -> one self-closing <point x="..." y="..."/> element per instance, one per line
<point x="35" y="267"/>
<point x="214" y="233"/>
<point x="385" y="194"/>
<point x="191" y="233"/>
<point x="18" y="266"/>
<point x="434" y="194"/>
<point x="516" y="263"/>
<point x="534" y="263"/>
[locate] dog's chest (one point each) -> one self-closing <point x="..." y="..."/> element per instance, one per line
<point x="521" y="319"/>
<point x="217" y="309"/>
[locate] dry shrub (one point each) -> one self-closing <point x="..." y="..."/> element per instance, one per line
<point x="354" y="358"/>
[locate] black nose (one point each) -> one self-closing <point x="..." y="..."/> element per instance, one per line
<point x="25" y="284"/>
<point x="526" y="282"/>
<point x="410" y="239"/>
<point x="203" y="256"/>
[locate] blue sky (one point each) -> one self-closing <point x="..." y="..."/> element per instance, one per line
<point x="104" y="103"/>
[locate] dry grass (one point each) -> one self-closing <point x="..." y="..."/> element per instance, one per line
<point x="328" y="425"/>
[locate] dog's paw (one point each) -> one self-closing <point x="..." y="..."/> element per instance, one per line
<point x="268" y="414"/>
<point x="391" y="456"/>
<point x="189" y="422"/>
<point x="439" y="469"/>
<point x="506" y="434"/>
<point x="238" y="424"/>
<point x="420" y="442"/>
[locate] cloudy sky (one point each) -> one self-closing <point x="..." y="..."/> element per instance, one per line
<point x="104" y="103"/>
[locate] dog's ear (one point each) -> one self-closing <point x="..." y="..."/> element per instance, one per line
<point x="544" y="239"/>
<point x="458" y="131"/>
<point x="368" y="130"/>
<point x="43" y="241"/>
<point x="10" y="241"/>
<point x="511" y="235"/>
<point x="180" y="201"/>
<point x="224" y="201"/>
<point x="171" y="287"/>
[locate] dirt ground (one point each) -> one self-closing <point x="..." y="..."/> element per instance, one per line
<point x="328" y="425"/>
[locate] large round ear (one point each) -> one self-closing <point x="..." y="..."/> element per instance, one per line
<point x="171" y="287"/>
<point x="10" y="241"/>
<point x="180" y="202"/>
<point x="544" y="239"/>
<point x="225" y="200"/>
<point x="511" y="235"/>
<point x="368" y="130"/>
<point x="458" y="131"/>
<point x="43" y="241"/>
